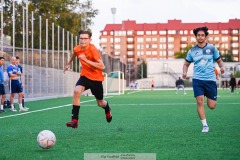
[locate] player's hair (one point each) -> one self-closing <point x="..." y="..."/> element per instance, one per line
<point x="204" y="29"/>
<point x="17" y="57"/>
<point x="2" y="58"/>
<point x="85" y="32"/>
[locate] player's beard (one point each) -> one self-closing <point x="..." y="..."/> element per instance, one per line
<point x="201" y="41"/>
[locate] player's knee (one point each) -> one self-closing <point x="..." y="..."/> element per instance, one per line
<point x="76" y="92"/>
<point x="101" y="104"/>
<point x="212" y="106"/>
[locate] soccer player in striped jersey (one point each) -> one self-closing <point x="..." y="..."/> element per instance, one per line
<point x="203" y="55"/>
<point x="91" y="76"/>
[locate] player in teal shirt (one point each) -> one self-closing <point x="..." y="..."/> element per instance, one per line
<point x="203" y="55"/>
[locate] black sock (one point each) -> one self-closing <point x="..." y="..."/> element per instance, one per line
<point x="23" y="101"/>
<point x="106" y="108"/>
<point x="75" y="112"/>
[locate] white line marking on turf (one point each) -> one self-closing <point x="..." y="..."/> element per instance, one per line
<point x="134" y="92"/>
<point x="40" y="110"/>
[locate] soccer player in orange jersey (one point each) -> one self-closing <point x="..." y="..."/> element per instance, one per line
<point x="91" y="76"/>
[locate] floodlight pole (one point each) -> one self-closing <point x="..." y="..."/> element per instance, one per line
<point x="2" y="6"/>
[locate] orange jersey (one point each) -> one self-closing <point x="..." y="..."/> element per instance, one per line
<point x="93" y="55"/>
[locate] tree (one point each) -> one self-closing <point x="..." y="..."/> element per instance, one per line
<point x="227" y="57"/>
<point x="182" y="54"/>
<point x="72" y="15"/>
<point x="141" y="69"/>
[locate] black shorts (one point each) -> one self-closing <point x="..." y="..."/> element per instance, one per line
<point x="96" y="87"/>
<point x="2" y="89"/>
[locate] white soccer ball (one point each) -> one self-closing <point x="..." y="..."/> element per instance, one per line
<point x="46" y="139"/>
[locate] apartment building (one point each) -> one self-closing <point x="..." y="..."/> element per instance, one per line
<point x="131" y="42"/>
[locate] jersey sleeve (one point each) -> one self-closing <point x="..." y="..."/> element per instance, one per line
<point x="216" y="54"/>
<point x="189" y="57"/>
<point x="96" y="54"/>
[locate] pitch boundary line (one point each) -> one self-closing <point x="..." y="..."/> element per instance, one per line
<point x="45" y="109"/>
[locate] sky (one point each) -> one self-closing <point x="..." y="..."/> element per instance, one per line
<point x="160" y="11"/>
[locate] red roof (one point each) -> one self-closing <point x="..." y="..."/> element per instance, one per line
<point x="172" y="25"/>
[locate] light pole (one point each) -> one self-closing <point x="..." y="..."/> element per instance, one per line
<point x="113" y="10"/>
<point x="13" y="34"/>
<point x="2" y="7"/>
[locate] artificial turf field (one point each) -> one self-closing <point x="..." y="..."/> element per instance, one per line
<point x="156" y="121"/>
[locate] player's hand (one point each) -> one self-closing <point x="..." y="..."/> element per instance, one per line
<point x="222" y="69"/>
<point x="66" y="68"/>
<point x="82" y="57"/>
<point x="184" y="75"/>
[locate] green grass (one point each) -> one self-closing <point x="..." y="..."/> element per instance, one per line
<point x="143" y="122"/>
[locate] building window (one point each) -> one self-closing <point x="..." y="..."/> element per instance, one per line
<point x="129" y="46"/>
<point x="130" y="59"/>
<point x="130" y="39"/>
<point x="154" y="52"/>
<point x="162" y="39"/>
<point x="183" y="45"/>
<point x="130" y="53"/>
<point x="181" y="32"/>
<point x="104" y="33"/>
<point x="139" y="39"/>
<point x="148" y="53"/>
<point x="235" y="52"/>
<point x="210" y="38"/>
<point x="170" y="53"/>
<point x="193" y="39"/>
<point x="122" y="33"/>
<point x="117" y="46"/>
<point x="140" y="33"/>
<point x="140" y="53"/>
<point x="154" y="45"/>
<point x="163" y="53"/>
<point x="162" y="46"/>
<point x="235" y="58"/>
<point x="154" y="32"/>
<point x="224" y="39"/>
<point x="154" y="39"/>
<point x="216" y="38"/>
<point x="148" y="39"/>
<point x="185" y="31"/>
<point x="171" y="31"/>
<point x="184" y="39"/>
<point x="170" y="46"/>
<point x="170" y="39"/>
<point x="103" y="40"/>
<point x="210" y="31"/>
<point x="148" y="46"/>
<point x="216" y="32"/>
<point x="235" y="31"/>
<point x="235" y="38"/>
<point x="224" y="31"/>
<point x="224" y="45"/>
<point x="140" y="46"/>
<point x="130" y="33"/>
<point x="148" y="32"/>
<point x="116" y="53"/>
<point x="235" y="45"/>
<point x="162" y="32"/>
<point x="116" y="39"/>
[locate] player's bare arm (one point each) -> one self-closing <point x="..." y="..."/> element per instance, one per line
<point x="221" y="65"/>
<point x="69" y="62"/>
<point x="98" y="65"/>
<point x="185" y="69"/>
